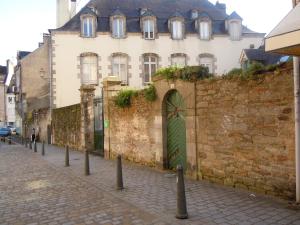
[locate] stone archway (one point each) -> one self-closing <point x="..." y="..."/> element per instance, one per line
<point x="175" y="130"/>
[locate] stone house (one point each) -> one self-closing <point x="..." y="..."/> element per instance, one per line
<point x="32" y="90"/>
<point x="132" y="39"/>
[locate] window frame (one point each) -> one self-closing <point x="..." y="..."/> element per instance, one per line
<point x="121" y="26"/>
<point x="89" y="80"/>
<point x="149" y="63"/>
<point x="211" y="63"/>
<point x="178" y="55"/>
<point x="147" y="32"/>
<point x="119" y="75"/>
<point x="238" y="26"/>
<point x="206" y="36"/>
<point x="90" y="20"/>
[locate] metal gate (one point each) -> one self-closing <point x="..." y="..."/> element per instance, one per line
<point x="98" y="125"/>
<point x="176" y="130"/>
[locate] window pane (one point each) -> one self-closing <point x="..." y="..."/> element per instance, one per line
<point x="235" y="30"/>
<point x="148" y="29"/>
<point x="177" y="29"/>
<point x="89" y="70"/>
<point x="115" y="27"/>
<point x="207" y="62"/>
<point x="153" y="69"/>
<point x="179" y="61"/>
<point x="153" y="59"/>
<point x="88" y="27"/>
<point x="204" y="30"/>
<point x="147" y="72"/>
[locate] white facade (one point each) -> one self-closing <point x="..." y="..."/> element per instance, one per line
<point x="67" y="47"/>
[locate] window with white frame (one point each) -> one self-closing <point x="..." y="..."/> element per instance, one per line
<point x="148" y="28"/>
<point x="207" y="62"/>
<point x="119" y="68"/>
<point x="89" y="71"/>
<point x="204" y="29"/>
<point x="178" y="60"/>
<point x="177" y="32"/>
<point x="235" y="30"/>
<point x="88" y="25"/>
<point x="150" y="67"/>
<point x="118" y="28"/>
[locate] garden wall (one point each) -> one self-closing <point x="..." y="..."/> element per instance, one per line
<point x="240" y="132"/>
<point x="66" y="126"/>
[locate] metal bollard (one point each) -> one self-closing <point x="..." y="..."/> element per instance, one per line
<point x="119" y="173"/>
<point x="67" y="162"/>
<point x="34" y="146"/>
<point x="181" y="200"/>
<point x="43" y="148"/>
<point x="87" y="163"/>
<point x="30" y="144"/>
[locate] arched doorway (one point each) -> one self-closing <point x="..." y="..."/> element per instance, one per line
<point x="175" y="130"/>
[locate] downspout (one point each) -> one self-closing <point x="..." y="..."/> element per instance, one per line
<point x="50" y="83"/>
<point x="297" y="125"/>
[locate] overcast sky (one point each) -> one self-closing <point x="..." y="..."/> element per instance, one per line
<point x="23" y="22"/>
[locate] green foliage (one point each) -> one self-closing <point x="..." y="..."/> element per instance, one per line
<point x="188" y="73"/>
<point x="235" y="72"/>
<point x="150" y="93"/>
<point x="123" y="99"/>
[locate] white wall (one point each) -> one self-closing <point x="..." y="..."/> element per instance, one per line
<point x="67" y="48"/>
<point x="10" y="108"/>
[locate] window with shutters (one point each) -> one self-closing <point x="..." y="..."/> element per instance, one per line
<point x="235" y="30"/>
<point x="149" y="29"/>
<point x="88" y="26"/>
<point x="204" y="29"/>
<point x="177" y="31"/>
<point x="118" y="27"/>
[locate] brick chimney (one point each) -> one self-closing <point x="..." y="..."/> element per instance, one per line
<point x="73" y="8"/>
<point x="295" y="2"/>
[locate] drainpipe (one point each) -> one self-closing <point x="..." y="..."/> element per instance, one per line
<point x="297" y="125"/>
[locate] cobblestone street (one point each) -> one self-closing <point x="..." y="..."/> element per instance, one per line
<point x="38" y="189"/>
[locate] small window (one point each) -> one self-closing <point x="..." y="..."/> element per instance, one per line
<point x="119" y="68"/>
<point x="89" y="71"/>
<point x="204" y="30"/>
<point x="150" y="67"/>
<point x="235" y="30"/>
<point x="194" y="14"/>
<point x="178" y="60"/>
<point x="207" y="62"/>
<point x="118" y="28"/>
<point x="148" y="26"/>
<point x="177" y="29"/>
<point x="88" y="27"/>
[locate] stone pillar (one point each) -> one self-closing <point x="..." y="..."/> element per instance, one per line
<point x="87" y="117"/>
<point x="111" y="86"/>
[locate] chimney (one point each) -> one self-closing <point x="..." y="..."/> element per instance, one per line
<point x="221" y="6"/>
<point x="62" y="12"/>
<point x="73" y="8"/>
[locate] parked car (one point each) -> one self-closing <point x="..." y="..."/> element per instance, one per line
<point x="5" y="132"/>
<point x="12" y="130"/>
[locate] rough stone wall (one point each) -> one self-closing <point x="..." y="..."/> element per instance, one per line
<point x="131" y="131"/>
<point x="246" y="133"/>
<point x="66" y="126"/>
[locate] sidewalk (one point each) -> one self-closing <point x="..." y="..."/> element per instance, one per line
<point x="154" y="193"/>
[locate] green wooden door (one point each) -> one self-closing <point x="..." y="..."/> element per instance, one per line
<point x="98" y="125"/>
<point x="176" y="131"/>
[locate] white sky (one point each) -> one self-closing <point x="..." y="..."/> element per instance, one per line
<point x="23" y="22"/>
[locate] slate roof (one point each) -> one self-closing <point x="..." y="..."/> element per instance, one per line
<point x="162" y="9"/>
<point x="234" y="15"/>
<point x="3" y="70"/>
<point x="22" y="54"/>
<point x="262" y="56"/>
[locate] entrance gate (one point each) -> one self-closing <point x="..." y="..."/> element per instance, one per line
<point x="176" y="130"/>
<point x="99" y="131"/>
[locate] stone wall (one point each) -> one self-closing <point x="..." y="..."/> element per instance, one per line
<point x="246" y="133"/>
<point x="240" y="132"/>
<point x="66" y="126"/>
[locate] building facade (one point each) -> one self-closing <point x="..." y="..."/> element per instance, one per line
<point x="3" y="72"/>
<point x="132" y="39"/>
<point x="33" y="88"/>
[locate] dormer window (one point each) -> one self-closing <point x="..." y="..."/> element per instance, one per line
<point x="203" y="25"/>
<point x="177" y="32"/>
<point x="118" y="27"/>
<point x="204" y="30"/>
<point x="88" y="26"/>
<point x="194" y="14"/>
<point x="118" y="24"/>
<point x="148" y="29"/>
<point x="176" y="26"/>
<point x="235" y="30"/>
<point x="234" y="26"/>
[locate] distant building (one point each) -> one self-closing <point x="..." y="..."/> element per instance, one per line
<point x="259" y="55"/>
<point x="3" y="72"/>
